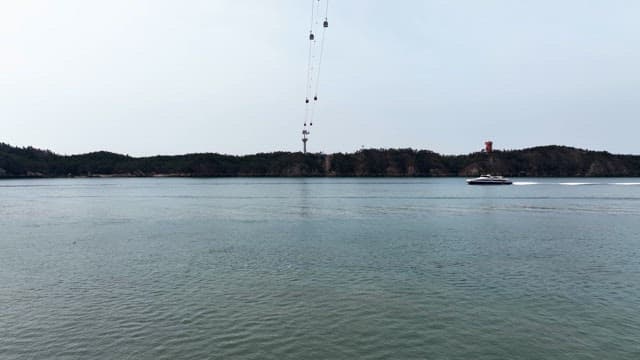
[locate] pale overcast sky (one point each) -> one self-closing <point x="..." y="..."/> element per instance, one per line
<point x="228" y="76"/>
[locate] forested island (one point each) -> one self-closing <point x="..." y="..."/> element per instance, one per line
<point x="545" y="161"/>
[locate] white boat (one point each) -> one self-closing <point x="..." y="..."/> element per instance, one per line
<point x="489" y="180"/>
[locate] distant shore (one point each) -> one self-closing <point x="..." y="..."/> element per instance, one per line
<point x="542" y="161"/>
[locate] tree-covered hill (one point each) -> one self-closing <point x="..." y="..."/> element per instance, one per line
<point x="537" y="161"/>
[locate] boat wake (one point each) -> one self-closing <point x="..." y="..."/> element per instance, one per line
<point x="578" y="183"/>
<point x="529" y="183"/>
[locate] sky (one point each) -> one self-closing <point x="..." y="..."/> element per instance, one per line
<point x="229" y="76"/>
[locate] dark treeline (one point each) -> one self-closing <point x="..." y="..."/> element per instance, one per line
<point x="538" y="161"/>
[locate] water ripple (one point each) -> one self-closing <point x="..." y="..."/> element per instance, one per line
<point x="338" y="269"/>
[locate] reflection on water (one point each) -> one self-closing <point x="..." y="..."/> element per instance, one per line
<point x="304" y="193"/>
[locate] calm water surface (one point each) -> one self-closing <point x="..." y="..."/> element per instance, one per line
<point x="319" y="269"/>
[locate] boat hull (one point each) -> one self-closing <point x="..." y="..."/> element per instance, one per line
<point x="472" y="182"/>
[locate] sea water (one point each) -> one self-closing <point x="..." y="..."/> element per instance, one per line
<point x="316" y="268"/>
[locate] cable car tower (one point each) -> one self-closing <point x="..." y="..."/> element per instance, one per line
<point x="305" y="132"/>
<point x="317" y="28"/>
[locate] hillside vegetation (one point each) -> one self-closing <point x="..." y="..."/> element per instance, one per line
<point x="538" y="161"/>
